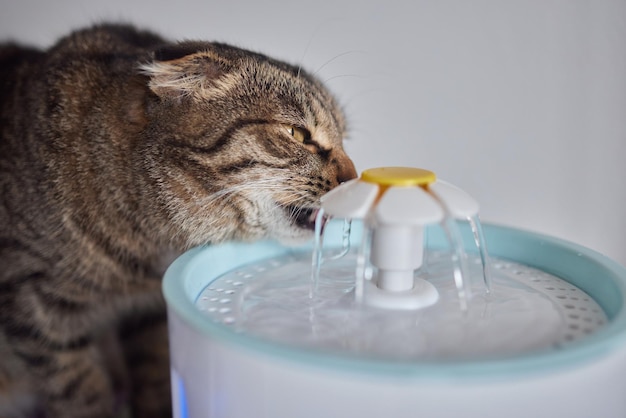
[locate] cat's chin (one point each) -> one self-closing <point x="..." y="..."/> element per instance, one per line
<point x="303" y="217"/>
<point x="300" y="228"/>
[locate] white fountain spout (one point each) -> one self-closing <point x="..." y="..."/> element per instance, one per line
<point x="397" y="203"/>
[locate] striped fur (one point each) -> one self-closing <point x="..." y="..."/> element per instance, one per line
<point x="117" y="151"/>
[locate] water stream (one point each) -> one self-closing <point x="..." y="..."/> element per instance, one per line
<point x="481" y="244"/>
<point x="460" y="275"/>
<point x="318" y="246"/>
<point x="459" y="262"/>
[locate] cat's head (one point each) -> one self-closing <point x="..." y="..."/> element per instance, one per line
<point x="238" y="145"/>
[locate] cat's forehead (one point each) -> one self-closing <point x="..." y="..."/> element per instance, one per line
<point x="213" y="72"/>
<point x="293" y="88"/>
<point x="325" y="119"/>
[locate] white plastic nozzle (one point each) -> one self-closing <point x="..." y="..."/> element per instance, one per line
<point x="397" y="203"/>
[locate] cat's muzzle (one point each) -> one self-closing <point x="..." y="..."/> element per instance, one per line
<point x="304" y="217"/>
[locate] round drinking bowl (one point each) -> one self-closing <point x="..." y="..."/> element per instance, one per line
<point x="220" y="372"/>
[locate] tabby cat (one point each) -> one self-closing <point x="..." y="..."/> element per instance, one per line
<point x="118" y="150"/>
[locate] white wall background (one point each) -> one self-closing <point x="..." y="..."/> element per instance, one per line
<point x="520" y="102"/>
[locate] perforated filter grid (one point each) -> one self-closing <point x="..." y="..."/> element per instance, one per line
<point x="528" y="310"/>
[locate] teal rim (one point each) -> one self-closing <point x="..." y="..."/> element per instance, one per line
<point x="603" y="279"/>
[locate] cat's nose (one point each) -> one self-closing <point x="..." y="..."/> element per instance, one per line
<point x="344" y="167"/>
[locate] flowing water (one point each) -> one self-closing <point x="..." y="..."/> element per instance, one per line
<point x="481" y="245"/>
<point x="459" y="261"/>
<point x="450" y="226"/>
<point x="318" y="248"/>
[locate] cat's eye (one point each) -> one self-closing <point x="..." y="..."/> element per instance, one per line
<point x="299" y="134"/>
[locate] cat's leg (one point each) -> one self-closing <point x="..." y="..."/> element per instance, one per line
<point x="79" y="385"/>
<point x="56" y="340"/>
<point x="71" y="382"/>
<point x="147" y="358"/>
<point x="17" y="398"/>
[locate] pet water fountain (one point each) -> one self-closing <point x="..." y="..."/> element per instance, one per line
<point x="398" y="310"/>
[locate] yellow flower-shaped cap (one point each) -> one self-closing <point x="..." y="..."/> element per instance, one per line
<point x="399" y="176"/>
<point x="399" y="195"/>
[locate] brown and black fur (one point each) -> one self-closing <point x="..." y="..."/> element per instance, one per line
<point x="118" y="150"/>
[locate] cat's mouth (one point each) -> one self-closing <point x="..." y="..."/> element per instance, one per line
<point x="303" y="217"/>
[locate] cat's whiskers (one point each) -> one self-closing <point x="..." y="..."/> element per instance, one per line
<point x="343" y="76"/>
<point x="212" y="223"/>
<point x="316" y="72"/>
<point x="272" y="184"/>
<point x="294" y="201"/>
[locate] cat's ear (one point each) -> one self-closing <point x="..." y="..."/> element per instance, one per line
<point x="185" y="71"/>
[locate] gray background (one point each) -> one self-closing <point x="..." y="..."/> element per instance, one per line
<point x="521" y="103"/>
